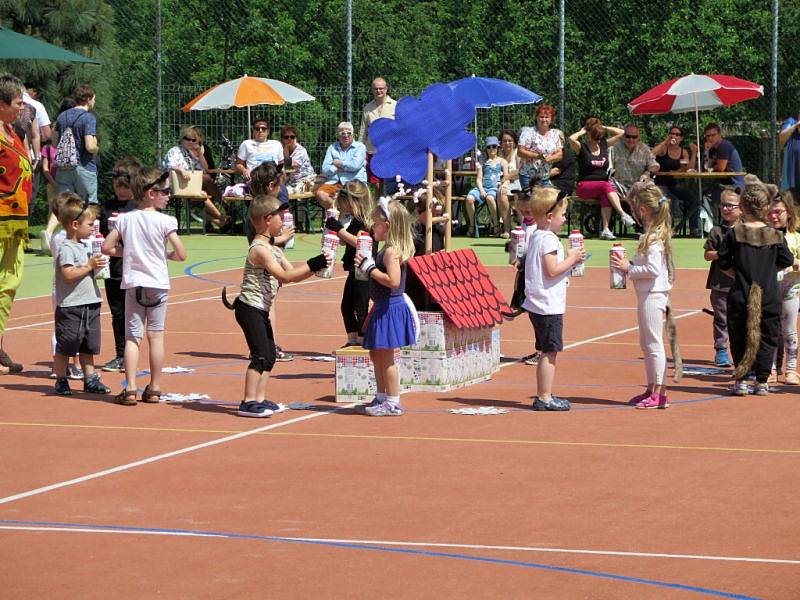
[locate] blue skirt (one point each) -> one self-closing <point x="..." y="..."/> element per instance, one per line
<point x="390" y="325"/>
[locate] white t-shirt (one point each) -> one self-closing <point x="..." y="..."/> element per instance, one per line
<point x="254" y="153"/>
<point x="42" y="118"/>
<point x="544" y="295"/>
<point x="649" y="272"/>
<point x="144" y="257"/>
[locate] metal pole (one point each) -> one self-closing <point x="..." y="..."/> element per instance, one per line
<point x="561" y="115"/>
<point x="158" y="80"/>
<point x="350" y="60"/>
<point x="773" y="103"/>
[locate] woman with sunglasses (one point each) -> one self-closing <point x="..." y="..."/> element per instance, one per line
<point x="296" y="157"/>
<point x="671" y="155"/>
<point x="187" y="156"/>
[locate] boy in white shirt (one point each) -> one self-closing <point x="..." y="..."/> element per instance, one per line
<point x="546" y="272"/>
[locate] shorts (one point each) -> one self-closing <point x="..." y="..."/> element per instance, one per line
<point x="371" y="177"/>
<point x="257" y="331"/>
<point x="595" y="190"/>
<point x="548" y="330"/>
<point x="330" y="188"/>
<point x="78" y="329"/>
<point x="80" y="180"/>
<point x="136" y="314"/>
<point x="475" y="193"/>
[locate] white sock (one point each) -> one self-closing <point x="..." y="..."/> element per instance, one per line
<point x="381" y="396"/>
<point x="393" y="400"/>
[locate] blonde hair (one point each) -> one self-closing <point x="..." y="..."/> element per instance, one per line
<point x="399" y="236"/>
<point x="261" y="206"/>
<point x="147" y="177"/>
<point x="189" y="130"/>
<point x="72" y="207"/>
<point x="728" y="192"/>
<point x="659" y="229"/>
<point x="755" y="198"/>
<point x="545" y="200"/>
<point x="357" y="195"/>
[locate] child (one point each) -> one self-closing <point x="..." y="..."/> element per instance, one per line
<point x="783" y="217"/>
<point x="140" y="238"/>
<point x="546" y="272"/>
<point x="354" y="199"/>
<point x="489" y="175"/>
<point x="652" y="274"/>
<point x="264" y="262"/>
<point x="751" y="252"/>
<point x="49" y="171"/>
<point x="123" y="173"/>
<point x="77" y="314"/>
<point x="718" y="282"/>
<point x="391" y="323"/>
<point x="524" y="208"/>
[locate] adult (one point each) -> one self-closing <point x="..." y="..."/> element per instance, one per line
<point x="722" y="157"/>
<point x="15" y="191"/>
<point x="82" y="179"/>
<point x="539" y="147"/>
<point x="510" y="184"/>
<point x="27" y="129"/>
<point x="671" y="155"/>
<point x="382" y="106"/>
<point x="631" y="160"/>
<point x="187" y="156"/>
<point x="789" y="144"/>
<point x="593" y="165"/>
<point x="258" y="149"/>
<point x="562" y="173"/>
<point x="345" y="160"/>
<point x="30" y="96"/>
<point x="294" y="153"/>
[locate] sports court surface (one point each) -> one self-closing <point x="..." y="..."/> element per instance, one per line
<point x="186" y="500"/>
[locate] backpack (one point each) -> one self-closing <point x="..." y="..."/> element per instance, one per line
<point x="67" y="148"/>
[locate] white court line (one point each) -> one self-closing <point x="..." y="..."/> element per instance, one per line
<point x="89" y="529"/>
<point x="152" y="459"/>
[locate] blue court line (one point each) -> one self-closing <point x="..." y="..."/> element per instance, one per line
<point x="408" y="551"/>
<point x="189" y="271"/>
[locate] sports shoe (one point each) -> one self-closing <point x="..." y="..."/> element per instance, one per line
<point x="791" y="378"/>
<point x="44" y="241"/>
<point x="639" y="398"/>
<point x="761" y="389"/>
<point x="740" y="388"/>
<point x="281" y="356"/>
<point x="722" y="359"/>
<point x="383" y="409"/>
<point x="74" y="372"/>
<point x="607" y="235"/>
<point x="555" y="404"/>
<point x="628" y="220"/>
<point x="654" y="400"/>
<point x="62" y="387"/>
<point x="93" y="385"/>
<point x="362" y="408"/>
<point x="254" y="409"/>
<point x="532" y="359"/>
<point x="115" y="365"/>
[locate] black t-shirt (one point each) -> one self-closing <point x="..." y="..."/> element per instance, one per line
<point x="348" y="260"/>
<point x="593" y="167"/>
<point x="565" y="180"/>
<point x="108" y="208"/>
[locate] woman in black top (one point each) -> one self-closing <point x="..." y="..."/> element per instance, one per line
<point x="672" y="156"/>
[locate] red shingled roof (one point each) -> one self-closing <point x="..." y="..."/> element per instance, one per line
<point x="459" y="282"/>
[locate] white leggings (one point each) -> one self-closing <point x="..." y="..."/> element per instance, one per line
<point x="652" y="309"/>
<point x="789" y="330"/>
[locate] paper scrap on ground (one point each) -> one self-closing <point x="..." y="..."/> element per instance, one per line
<point x="698" y="370"/>
<point x="483" y="410"/>
<point x="300" y="405"/>
<point x="177" y="370"/>
<point x="184" y="397"/>
<point x="322" y="358"/>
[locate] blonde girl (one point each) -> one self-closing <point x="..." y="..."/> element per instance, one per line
<point x="783" y="217"/>
<point x="354" y="199"/>
<point x="652" y="273"/>
<point x="391" y="323"/>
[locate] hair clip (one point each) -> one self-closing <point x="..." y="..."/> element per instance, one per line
<point x="661" y="200"/>
<point x="383" y="203"/>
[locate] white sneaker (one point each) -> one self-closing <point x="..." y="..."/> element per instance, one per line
<point x="607" y="235"/>
<point x="628" y="220"/>
<point x="44" y="239"/>
<point x="740" y="388"/>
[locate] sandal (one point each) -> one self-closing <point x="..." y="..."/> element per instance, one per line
<point x="5" y="360"/>
<point x="126" y="398"/>
<point x="151" y="396"/>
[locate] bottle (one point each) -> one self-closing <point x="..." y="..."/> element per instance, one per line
<point x="516" y="248"/>
<point x="288" y="221"/>
<point x="96" y="228"/>
<point x="618" y="277"/>
<point x="363" y="248"/>
<point x="112" y="221"/>
<point x="99" y="272"/>
<point x="330" y="242"/>
<point x="576" y="241"/>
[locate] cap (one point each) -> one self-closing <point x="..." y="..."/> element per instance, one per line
<point x="491" y="140"/>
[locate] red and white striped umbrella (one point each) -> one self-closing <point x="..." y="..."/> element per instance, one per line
<point x="694" y="93"/>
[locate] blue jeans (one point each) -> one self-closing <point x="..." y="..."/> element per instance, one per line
<point x="80" y="180"/>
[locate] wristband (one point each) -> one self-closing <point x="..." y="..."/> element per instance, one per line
<point x="333" y="224"/>
<point x="317" y="263"/>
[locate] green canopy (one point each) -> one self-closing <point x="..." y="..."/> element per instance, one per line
<point x="15" y="45"/>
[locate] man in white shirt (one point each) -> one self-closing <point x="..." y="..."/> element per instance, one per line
<point x="258" y="149"/>
<point x="381" y="107"/>
<point x="42" y="118"/>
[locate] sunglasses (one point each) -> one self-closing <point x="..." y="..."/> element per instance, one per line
<point x="260" y="129"/>
<point x="188" y="139"/>
<point x="631" y="137"/>
<point x="161" y="179"/>
<point x="676" y="133"/>
<point x="345" y="133"/>
<point x="492" y="146"/>
<point x="552" y="208"/>
<point x="290" y="137"/>
<point x="83" y="210"/>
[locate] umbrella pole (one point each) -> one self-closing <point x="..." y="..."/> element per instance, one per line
<point x="448" y="202"/>
<point x="699" y="169"/>
<point x="428" y="213"/>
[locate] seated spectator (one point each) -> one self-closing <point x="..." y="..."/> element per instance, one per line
<point x="437" y="226"/>
<point x="539" y="147"/>
<point x="489" y="175"/>
<point x="345" y="159"/>
<point x="631" y="161"/>
<point x="187" y="156"/>
<point x="721" y="156"/>
<point x="303" y="177"/>
<point x="258" y="149"/>
<point x="562" y="173"/>
<point x="672" y="156"/>
<point x="593" y="166"/>
<point x="510" y="184"/>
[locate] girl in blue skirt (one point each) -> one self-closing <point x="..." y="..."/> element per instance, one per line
<point x="390" y="325"/>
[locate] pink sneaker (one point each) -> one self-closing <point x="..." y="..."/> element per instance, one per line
<point x="637" y="399"/>
<point x="654" y="400"/>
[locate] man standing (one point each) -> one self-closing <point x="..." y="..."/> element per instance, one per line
<point x="722" y="157"/>
<point x="345" y="159"/>
<point x="82" y="179"/>
<point x="258" y="149"/>
<point x="631" y="160"/>
<point x="382" y="106"/>
<point x="45" y="131"/>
